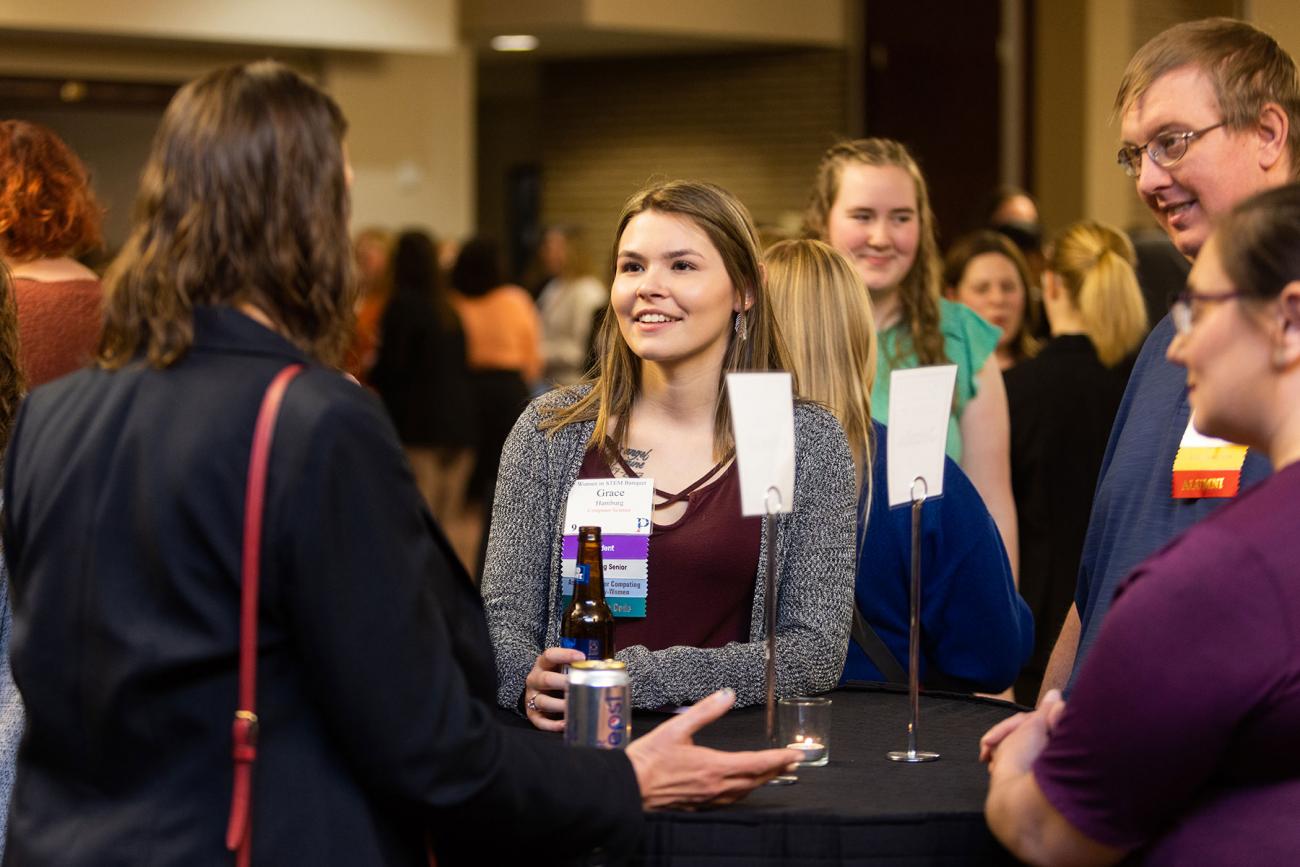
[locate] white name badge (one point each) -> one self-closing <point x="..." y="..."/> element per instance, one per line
<point x="623" y="509"/>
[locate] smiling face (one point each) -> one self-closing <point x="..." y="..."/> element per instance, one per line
<point x="672" y="294"/>
<point x="1227" y="355"/>
<point x="991" y="287"/>
<point x="874" y="223"/>
<point x="1219" y="169"/>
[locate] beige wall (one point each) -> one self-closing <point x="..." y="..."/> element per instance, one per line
<point x="114" y="142"/>
<point x="809" y="22"/>
<point x="1060" y="124"/>
<point x="1107" y="191"/>
<point x="145" y="62"/>
<point x="393" y="65"/>
<point x="410" y="138"/>
<point x="387" y="25"/>
<point x="1280" y="18"/>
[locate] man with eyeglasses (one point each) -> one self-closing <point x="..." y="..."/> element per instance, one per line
<point x="1210" y="115"/>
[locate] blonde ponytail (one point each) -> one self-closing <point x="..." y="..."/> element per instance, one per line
<point x="1095" y="265"/>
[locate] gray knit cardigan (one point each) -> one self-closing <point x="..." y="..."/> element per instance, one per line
<point x="521" y="578"/>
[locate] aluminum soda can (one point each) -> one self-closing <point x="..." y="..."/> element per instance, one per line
<point x="598" y="711"/>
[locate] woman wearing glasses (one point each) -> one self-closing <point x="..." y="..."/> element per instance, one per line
<point x="1179" y="736"/>
<point x="870" y="202"/>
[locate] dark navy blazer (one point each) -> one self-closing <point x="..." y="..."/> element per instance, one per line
<point x="124" y="494"/>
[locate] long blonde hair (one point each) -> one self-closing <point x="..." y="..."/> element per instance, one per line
<point x="826" y="318"/>
<point x="918" y="292"/>
<point x="756" y="345"/>
<point x="1094" y="264"/>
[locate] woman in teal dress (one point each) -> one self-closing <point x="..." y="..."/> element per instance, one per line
<point x="870" y="202"/>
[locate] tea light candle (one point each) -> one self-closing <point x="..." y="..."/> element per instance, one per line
<point x="812" y="750"/>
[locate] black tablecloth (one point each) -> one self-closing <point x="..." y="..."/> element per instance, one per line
<point x="861" y="809"/>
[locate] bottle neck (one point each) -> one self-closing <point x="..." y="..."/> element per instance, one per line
<point x="594" y="587"/>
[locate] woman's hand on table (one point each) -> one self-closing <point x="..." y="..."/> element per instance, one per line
<point x="546" y="688"/>
<point x="672" y="771"/>
<point x="1018" y="813"/>
<point x="1047" y="713"/>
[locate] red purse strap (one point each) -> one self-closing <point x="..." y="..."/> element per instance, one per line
<point x="239" y="831"/>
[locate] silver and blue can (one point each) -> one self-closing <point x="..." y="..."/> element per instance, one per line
<point x="598" y="712"/>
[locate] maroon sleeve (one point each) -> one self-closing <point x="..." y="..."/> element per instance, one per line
<point x="1189" y="647"/>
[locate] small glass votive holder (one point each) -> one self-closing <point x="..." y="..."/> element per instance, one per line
<point x="804" y="724"/>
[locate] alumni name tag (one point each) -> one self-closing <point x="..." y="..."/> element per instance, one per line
<point x="1206" y="467"/>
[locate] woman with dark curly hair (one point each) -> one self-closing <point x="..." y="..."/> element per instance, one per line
<point x="48" y="215"/>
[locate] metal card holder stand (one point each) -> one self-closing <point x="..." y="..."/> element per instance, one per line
<point x="773" y="502"/>
<point x="912" y="754"/>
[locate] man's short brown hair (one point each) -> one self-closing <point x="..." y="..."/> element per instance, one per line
<point x="1245" y="65"/>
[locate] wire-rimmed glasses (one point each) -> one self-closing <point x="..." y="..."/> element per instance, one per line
<point x="1164" y="148"/>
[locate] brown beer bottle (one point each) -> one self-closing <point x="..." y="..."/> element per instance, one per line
<point x="588" y="623"/>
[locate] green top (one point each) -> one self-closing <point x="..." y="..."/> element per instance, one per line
<point x="968" y="342"/>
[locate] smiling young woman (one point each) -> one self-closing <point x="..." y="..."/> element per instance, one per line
<point x="687" y="307"/>
<point x="870" y="202"/>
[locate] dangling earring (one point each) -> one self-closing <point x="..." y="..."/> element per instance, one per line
<point x="740" y="324"/>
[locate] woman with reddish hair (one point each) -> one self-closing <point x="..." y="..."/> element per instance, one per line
<point x="48" y="215"/>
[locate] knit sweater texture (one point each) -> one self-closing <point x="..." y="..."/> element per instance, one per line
<point x="815" y="570"/>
